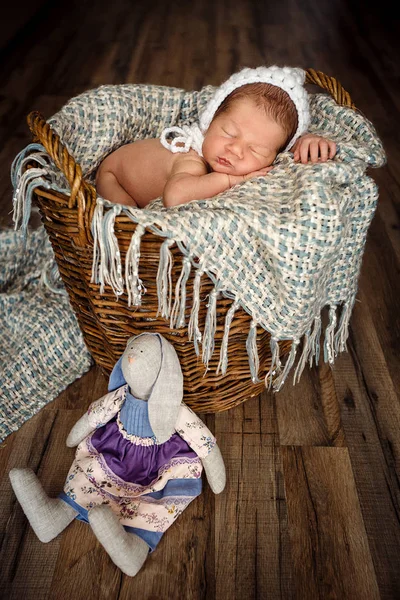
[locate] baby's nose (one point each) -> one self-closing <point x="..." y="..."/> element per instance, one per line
<point x="236" y="149"/>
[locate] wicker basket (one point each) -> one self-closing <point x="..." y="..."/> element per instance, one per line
<point x="107" y="324"/>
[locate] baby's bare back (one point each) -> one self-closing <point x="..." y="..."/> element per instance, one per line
<point x="142" y="168"/>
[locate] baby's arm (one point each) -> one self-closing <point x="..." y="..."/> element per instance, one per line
<point x="313" y="147"/>
<point x="189" y="181"/>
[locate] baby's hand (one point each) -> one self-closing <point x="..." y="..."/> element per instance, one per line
<point x="313" y="147"/>
<point x="235" y="179"/>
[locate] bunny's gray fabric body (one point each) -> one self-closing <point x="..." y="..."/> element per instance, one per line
<point x="138" y="463"/>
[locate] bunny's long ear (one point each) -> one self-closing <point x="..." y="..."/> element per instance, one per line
<point x="166" y="396"/>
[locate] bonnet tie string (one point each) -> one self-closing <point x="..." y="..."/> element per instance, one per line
<point x="187" y="136"/>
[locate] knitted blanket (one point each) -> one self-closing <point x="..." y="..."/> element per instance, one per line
<point x="283" y="247"/>
<point x="42" y="350"/>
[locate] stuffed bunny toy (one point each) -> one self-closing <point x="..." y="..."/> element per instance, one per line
<point x="138" y="463"/>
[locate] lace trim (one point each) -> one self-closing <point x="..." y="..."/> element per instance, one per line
<point x="135" y="439"/>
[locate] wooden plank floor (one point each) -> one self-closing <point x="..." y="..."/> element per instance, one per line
<point x="311" y="507"/>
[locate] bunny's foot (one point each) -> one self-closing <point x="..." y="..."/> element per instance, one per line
<point x="47" y="516"/>
<point x="127" y="550"/>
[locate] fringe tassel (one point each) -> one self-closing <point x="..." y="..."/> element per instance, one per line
<point x="193" y="327"/>
<point x="342" y="332"/>
<point x="25" y="181"/>
<point x="209" y="327"/>
<point x="112" y="263"/>
<point x="51" y="279"/>
<point x="252" y="352"/>
<point x="178" y="309"/>
<point x="98" y="246"/>
<point x="134" y="285"/>
<point x="164" y="280"/>
<point x="22" y="159"/>
<point x="223" y="360"/>
<point x="279" y="381"/>
<point x="276" y="365"/>
<point x="22" y="197"/>
<point x="314" y="341"/>
<point x="329" y="350"/>
<point x="304" y="356"/>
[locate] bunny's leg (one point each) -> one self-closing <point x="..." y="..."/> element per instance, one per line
<point x="127" y="550"/>
<point x="47" y="516"/>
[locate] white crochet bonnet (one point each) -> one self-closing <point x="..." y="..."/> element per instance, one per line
<point x="289" y="79"/>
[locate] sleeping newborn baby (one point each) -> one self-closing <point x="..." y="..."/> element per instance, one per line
<point x="253" y="116"/>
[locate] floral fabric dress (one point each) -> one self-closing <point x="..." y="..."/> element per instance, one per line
<point x="121" y="464"/>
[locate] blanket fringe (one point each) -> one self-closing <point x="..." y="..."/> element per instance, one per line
<point x="98" y="245"/>
<point x="24" y="183"/>
<point x="164" y="279"/>
<point x="329" y="350"/>
<point x="252" y="352"/>
<point x="134" y="285"/>
<point x="280" y="380"/>
<point x="106" y="264"/>
<point x="304" y="356"/>
<point x="39" y="155"/>
<point x="172" y="306"/>
<point x="194" y="332"/>
<point x="223" y="360"/>
<point x="209" y="328"/>
<point x="314" y="342"/>
<point x="178" y="310"/>
<point x="112" y="266"/>
<point x="334" y="343"/>
<point x="22" y="198"/>
<point x="51" y="279"/>
<point x="342" y="332"/>
<point x="276" y="364"/>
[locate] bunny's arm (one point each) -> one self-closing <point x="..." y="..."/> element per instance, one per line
<point x="80" y="430"/>
<point x="98" y="414"/>
<point x="201" y="440"/>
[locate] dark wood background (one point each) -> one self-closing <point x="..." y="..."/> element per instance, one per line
<point x="311" y="507"/>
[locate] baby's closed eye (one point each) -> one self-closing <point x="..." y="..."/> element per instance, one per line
<point x="259" y="152"/>
<point x="228" y="133"/>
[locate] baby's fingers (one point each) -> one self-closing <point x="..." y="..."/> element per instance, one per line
<point x="324" y="150"/>
<point x="315" y="150"/>
<point x="303" y="152"/>
<point x="332" y="148"/>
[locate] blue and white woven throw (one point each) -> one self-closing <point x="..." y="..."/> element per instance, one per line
<point x="283" y="247"/>
<point x="42" y="349"/>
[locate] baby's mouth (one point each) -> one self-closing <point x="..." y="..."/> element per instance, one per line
<point x="223" y="161"/>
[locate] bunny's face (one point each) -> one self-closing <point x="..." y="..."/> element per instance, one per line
<point x="141" y="364"/>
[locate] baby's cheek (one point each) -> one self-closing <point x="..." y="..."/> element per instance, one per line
<point x="267" y="162"/>
<point x="260" y="164"/>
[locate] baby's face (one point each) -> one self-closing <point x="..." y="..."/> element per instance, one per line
<point x="242" y="140"/>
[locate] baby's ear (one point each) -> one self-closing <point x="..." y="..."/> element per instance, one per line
<point x="166" y="397"/>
